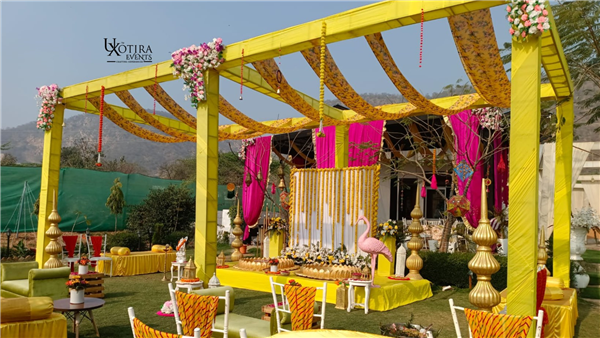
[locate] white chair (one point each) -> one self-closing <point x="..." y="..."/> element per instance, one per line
<point x="95" y="258"/>
<point x="243" y="333"/>
<point x="284" y="307"/>
<point x="132" y="317"/>
<point x="224" y="331"/>
<point x="538" y="320"/>
<point x="75" y="258"/>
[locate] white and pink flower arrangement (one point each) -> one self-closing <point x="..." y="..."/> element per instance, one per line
<point x="585" y="218"/>
<point x="489" y="117"/>
<point x="50" y="97"/>
<point x="527" y="17"/>
<point x="191" y="62"/>
<point x="245" y="144"/>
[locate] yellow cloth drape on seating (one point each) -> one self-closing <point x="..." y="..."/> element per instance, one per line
<point x="562" y="314"/>
<point x="136" y="263"/>
<point x="196" y="311"/>
<point x="487" y="325"/>
<point x="302" y="305"/>
<point x="144" y="331"/>
<point x="53" y="327"/>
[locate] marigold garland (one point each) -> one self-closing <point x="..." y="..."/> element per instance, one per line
<point x="321" y="132"/>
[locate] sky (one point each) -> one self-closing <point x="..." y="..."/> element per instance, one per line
<point x="63" y="43"/>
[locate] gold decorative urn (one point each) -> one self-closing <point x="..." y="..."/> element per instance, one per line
<point x="53" y="232"/>
<point x="341" y="297"/>
<point x="237" y="232"/>
<point x="414" y="263"/>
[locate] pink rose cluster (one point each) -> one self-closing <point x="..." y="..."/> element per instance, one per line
<point x="50" y="97"/>
<point x="489" y="117"/>
<point x="527" y="17"/>
<point x="191" y="62"/>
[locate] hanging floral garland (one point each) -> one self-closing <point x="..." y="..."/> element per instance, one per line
<point x="190" y="63"/>
<point x="527" y="17"/>
<point x="489" y="117"/>
<point x="50" y="97"/>
<point x="245" y="143"/>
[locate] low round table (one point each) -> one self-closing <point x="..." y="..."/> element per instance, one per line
<point x="77" y="312"/>
<point x="189" y="285"/>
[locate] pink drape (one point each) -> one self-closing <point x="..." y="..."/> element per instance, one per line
<point x="257" y="159"/>
<point x="466" y="129"/>
<point x="325" y="148"/>
<point x="500" y="178"/>
<point x="365" y="142"/>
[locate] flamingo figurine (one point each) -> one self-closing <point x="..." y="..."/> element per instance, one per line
<point x="372" y="246"/>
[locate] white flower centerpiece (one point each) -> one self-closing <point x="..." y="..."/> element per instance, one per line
<point x="581" y="223"/>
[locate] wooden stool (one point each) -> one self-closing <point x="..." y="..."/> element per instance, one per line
<point x="179" y="266"/>
<point x="351" y="299"/>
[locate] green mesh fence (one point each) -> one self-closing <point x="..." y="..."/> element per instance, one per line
<point x="81" y="192"/>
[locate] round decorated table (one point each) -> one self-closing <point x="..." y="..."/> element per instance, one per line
<point x="77" y="312"/>
<point x="325" y="334"/>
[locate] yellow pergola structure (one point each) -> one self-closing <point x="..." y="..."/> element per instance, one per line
<point x="526" y="93"/>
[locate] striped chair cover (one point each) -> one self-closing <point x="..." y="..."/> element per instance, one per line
<point x="144" y="331"/>
<point x="302" y="302"/>
<point x="489" y="325"/>
<point x="196" y="311"/>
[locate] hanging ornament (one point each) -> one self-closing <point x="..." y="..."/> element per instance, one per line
<point x="434" y="184"/>
<point x="458" y="205"/>
<point x="463" y="170"/>
<point x="402" y="193"/>
<point x="99" y="163"/>
<point x="501" y="165"/>
<point x="421" y="45"/>
<point x="259" y="176"/>
<point x="242" y="76"/>
<point x="281" y="185"/>
<point x="321" y="132"/>
<point x="248" y="179"/>
<point x="273" y="189"/>
<point x="423" y="191"/>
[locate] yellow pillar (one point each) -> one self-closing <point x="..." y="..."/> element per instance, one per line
<point x="341" y="146"/>
<point x="50" y="177"/>
<point x="207" y="159"/>
<point x="523" y="181"/>
<point x="562" y="191"/>
<point x="275" y="243"/>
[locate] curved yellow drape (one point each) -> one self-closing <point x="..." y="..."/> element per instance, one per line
<point x="230" y="112"/>
<point x="338" y="85"/>
<point x="268" y="70"/>
<point x="170" y="105"/>
<point x="240" y="135"/>
<point x="475" y="41"/>
<point x="406" y="89"/>
<point x="132" y="127"/>
<point x="131" y="102"/>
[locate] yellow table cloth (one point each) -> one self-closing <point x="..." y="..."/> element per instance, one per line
<point x="562" y="314"/>
<point x="325" y="334"/>
<point x="53" y="327"/>
<point x="136" y="263"/>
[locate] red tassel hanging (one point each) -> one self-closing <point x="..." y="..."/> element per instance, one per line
<point x="155" y="84"/>
<point x="421" y="46"/>
<point x="242" y="76"/>
<point x="423" y="191"/>
<point x="273" y="189"/>
<point x="433" y="179"/>
<point x="501" y="165"/>
<point x="99" y="163"/>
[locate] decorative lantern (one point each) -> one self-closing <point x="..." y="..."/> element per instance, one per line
<point x="214" y="282"/>
<point x="248" y="179"/>
<point x="458" y="205"/>
<point x="463" y="170"/>
<point x="189" y="271"/>
<point x="221" y="259"/>
<point x="259" y="176"/>
<point x="284" y="199"/>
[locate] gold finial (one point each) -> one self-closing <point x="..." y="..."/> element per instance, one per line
<point x="53" y="232"/>
<point x="542" y="254"/>
<point x="414" y="263"/>
<point x="483" y="264"/>
<point x="237" y="232"/>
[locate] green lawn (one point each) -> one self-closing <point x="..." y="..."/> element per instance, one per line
<point x="147" y="293"/>
<point x="591" y="256"/>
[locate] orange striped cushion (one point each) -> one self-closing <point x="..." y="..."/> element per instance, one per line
<point x="144" y="331"/>
<point x="196" y="311"/>
<point x="488" y="325"/>
<point x="302" y="302"/>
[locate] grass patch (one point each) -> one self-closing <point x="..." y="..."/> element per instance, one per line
<point x="594" y="278"/>
<point x="147" y="293"/>
<point x="591" y="256"/>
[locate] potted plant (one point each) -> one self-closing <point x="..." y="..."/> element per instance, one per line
<point x="580" y="279"/>
<point x="83" y="265"/>
<point x="273" y="262"/>
<point x="581" y="223"/>
<point x="76" y="286"/>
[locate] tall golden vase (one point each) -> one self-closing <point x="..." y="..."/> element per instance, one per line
<point x="53" y="232"/>
<point x="484" y="265"/>
<point x="414" y="263"/>
<point x="237" y="232"/>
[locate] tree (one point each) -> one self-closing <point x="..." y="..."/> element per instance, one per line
<point x="5" y="146"/>
<point x="8" y="160"/>
<point x="181" y="169"/>
<point x="116" y="200"/>
<point x="231" y="168"/>
<point x="82" y="154"/>
<point x="123" y="166"/>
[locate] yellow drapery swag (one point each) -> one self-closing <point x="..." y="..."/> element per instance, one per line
<point x="130" y="102"/>
<point x="475" y="41"/>
<point x="132" y="127"/>
<point x="230" y="112"/>
<point x="268" y="70"/>
<point x="170" y="105"/>
<point x="406" y="89"/>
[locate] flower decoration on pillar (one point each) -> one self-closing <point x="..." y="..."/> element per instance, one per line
<point x="463" y="170"/>
<point x="50" y="97"/>
<point x="190" y="64"/>
<point x="489" y="117"/>
<point x="526" y="18"/>
<point x="245" y="143"/>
